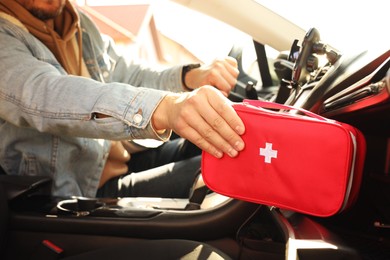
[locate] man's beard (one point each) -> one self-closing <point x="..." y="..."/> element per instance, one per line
<point x="45" y="14"/>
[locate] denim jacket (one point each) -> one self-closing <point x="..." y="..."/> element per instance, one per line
<point x="47" y="122"/>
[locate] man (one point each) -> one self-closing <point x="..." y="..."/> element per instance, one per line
<point x="68" y="102"/>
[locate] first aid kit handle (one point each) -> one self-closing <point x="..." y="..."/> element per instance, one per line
<point x="272" y="105"/>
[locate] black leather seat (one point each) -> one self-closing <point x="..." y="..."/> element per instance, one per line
<point x="144" y="249"/>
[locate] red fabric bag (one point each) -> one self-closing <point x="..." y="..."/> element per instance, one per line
<point x="305" y="163"/>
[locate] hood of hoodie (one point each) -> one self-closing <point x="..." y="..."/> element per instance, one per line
<point x="58" y="34"/>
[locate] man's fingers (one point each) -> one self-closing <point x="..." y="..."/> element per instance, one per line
<point x="226" y="78"/>
<point x="193" y="135"/>
<point x="221" y="123"/>
<point x="213" y="137"/>
<point x="209" y="134"/>
<point x="232" y="61"/>
<point x="226" y="111"/>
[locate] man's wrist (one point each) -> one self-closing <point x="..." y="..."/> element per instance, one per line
<point x="185" y="70"/>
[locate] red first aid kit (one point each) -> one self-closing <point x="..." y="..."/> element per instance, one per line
<point x="296" y="161"/>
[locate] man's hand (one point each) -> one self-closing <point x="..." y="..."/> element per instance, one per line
<point x="205" y="117"/>
<point x="222" y="74"/>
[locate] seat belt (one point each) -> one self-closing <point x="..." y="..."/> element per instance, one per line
<point x="197" y="194"/>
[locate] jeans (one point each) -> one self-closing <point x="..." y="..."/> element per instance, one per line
<point x="167" y="171"/>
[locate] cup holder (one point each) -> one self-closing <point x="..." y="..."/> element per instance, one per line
<point x="79" y="206"/>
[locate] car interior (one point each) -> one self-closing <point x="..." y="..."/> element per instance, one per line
<point x="354" y="89"/>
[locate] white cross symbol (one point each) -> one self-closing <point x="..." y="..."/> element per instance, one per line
<point x="268" y="153"/>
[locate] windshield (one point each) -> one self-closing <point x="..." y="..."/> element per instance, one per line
<point x="343" y="24"/>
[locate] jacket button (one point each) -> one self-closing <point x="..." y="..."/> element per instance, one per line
<point x="137" y="119"/>
<point x="106" y="74"/>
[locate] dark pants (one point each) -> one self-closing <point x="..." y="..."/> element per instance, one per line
<point x="167" y="171"/>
